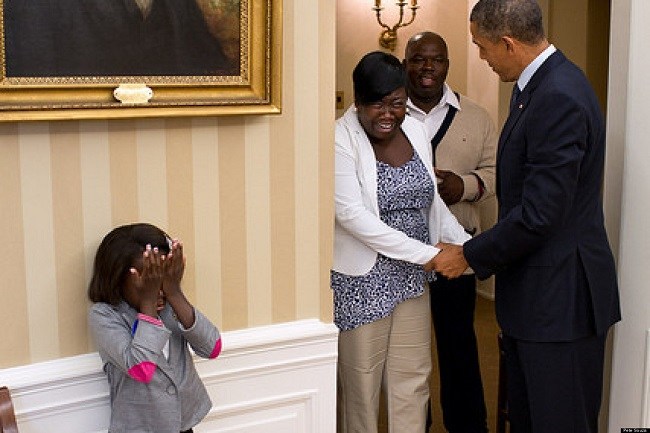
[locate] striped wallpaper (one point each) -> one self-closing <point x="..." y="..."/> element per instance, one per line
<point x="250" y="196"/>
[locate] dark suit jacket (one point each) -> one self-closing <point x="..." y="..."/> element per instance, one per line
<point x="555" y="276"/>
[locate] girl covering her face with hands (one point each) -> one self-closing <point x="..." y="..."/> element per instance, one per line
<point x="143" y="326"/>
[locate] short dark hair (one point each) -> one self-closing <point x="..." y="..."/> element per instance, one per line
<point x="424" y="35"/>
<point x="520" y="19"/>
<point x="376" y="75"/>
<point x="117" y="253"/>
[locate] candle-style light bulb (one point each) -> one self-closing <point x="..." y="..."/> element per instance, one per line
<point x="377" y="3"/>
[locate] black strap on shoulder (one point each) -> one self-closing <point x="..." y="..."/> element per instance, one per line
<point x="451" y="112"/>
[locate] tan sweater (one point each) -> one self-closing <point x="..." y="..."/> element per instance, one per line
<point x="468" y="149"/>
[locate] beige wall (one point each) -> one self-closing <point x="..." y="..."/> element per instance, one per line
<point x="580" y="28"/>
<point x="250" y="196"/>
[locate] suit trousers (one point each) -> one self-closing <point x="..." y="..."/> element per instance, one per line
<point x="554" y="387"/>
<point x="393" y="353"/>
<point x="453" y="302"/>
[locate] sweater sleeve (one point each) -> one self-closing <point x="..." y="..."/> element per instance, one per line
<point x="203" y="336"/>
<point x="134" y="350"/>
<point x="486" y="168"/>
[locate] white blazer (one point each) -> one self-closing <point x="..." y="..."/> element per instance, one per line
<point x="359" y="233"/>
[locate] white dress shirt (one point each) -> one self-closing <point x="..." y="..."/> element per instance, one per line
<point x="433" y="119"/>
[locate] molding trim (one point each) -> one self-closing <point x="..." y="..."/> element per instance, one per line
<point x="645" y="405"/>
<point x="273" y="378"/>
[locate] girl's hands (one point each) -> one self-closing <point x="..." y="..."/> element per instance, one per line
<point x="144" y="290"/>
<point x="173" y="269"/>
<point x="160" y="282"/>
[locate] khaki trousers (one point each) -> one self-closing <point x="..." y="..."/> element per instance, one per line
<point x="393" y="353"/>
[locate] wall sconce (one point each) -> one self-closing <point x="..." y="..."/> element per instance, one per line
<point x="388" y="37"/>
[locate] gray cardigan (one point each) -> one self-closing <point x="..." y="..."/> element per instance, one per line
<point x="175" y="399"/>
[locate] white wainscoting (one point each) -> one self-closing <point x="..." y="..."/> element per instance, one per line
<point x="273" y="379"/>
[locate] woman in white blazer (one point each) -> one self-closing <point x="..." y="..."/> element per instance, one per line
<point x="389" y="217"/>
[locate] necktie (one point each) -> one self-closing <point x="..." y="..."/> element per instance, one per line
<point x="515" y="96"/>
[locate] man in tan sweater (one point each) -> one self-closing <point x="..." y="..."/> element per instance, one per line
<point x="464" y="141"/>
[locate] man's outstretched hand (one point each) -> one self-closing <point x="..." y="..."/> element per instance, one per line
<point x="449" y="262"/>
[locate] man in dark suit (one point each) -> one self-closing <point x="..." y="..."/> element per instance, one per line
<point x="556" y="290"/>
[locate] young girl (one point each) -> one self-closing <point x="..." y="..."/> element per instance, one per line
<point x="142" y="325"/>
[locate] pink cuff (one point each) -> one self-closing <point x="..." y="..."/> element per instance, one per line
<point x="217" y="349"/>
<point x="143" y="372"/>
<point x="150" y="319"/>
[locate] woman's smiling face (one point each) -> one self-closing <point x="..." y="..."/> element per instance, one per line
<point x="381" y="119"/>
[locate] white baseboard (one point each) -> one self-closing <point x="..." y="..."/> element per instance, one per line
<point x="278" y="378"/>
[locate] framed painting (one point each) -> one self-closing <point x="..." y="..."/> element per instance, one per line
<point x="92" y="59"/>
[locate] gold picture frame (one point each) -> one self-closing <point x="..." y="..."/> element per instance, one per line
<point x="69" y="82"/>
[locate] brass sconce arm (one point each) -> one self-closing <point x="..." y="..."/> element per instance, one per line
<point x="388" y="37"/>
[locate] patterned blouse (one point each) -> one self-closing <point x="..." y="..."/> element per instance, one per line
<point x="403" y="193"/>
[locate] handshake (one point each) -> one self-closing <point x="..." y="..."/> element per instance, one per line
<point x="450" y="261"/>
